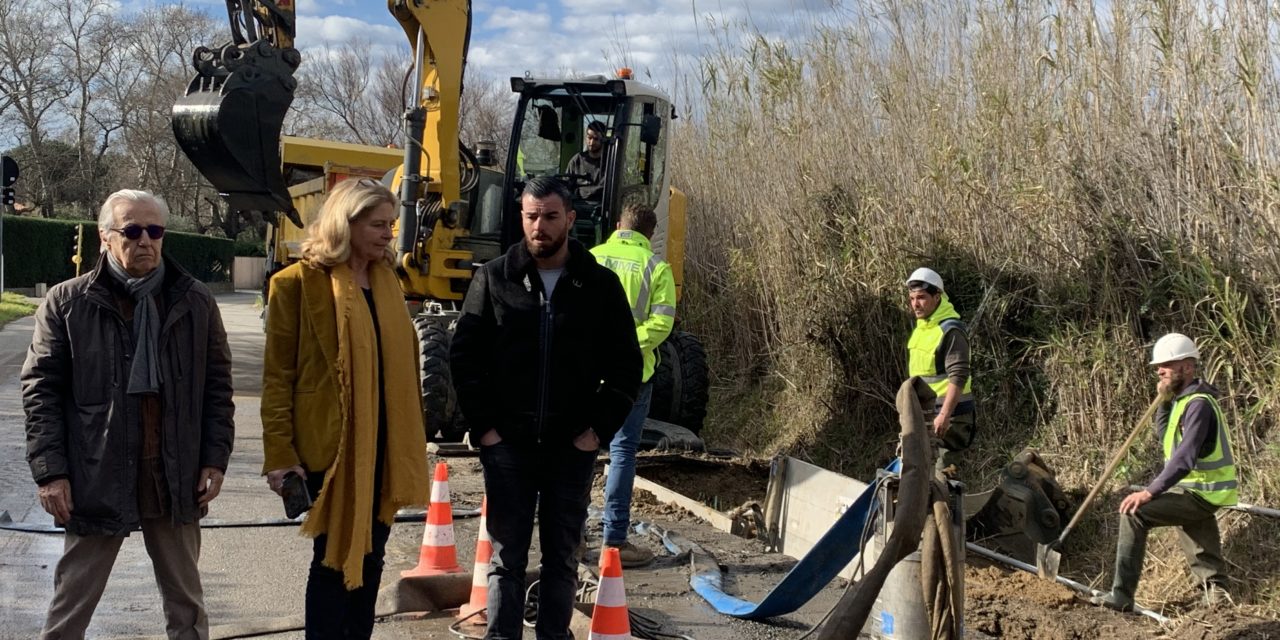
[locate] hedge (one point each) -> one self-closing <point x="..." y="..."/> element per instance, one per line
<point x="40" y="250"/>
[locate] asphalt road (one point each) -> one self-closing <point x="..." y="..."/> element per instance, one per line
<point x="248" y="573"/>
<point x="256" y="575"/>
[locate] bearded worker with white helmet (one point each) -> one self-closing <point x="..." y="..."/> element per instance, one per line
<point x="938" y="352"/>
<point x="1198" y="478"/>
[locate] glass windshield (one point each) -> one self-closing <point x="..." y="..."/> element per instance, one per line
<point x="554" y="130"/>
<point x="539" y="151"/>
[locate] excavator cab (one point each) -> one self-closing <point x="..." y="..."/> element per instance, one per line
<point x="552" y="120"/>
<point x="228" y="122"/>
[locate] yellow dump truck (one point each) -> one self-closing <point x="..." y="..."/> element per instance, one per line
<point x="311" y="169"/>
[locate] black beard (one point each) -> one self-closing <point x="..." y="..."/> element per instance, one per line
<point x="546" y="250"/>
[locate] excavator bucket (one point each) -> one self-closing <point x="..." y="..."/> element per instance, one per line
<point x="1027" y="505"/>
<point x="229" y="121"/>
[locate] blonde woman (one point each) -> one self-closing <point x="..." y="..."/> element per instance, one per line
<point x="340" y="401"/>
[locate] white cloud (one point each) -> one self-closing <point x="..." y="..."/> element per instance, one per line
<point x="513" y="19"/>
<point x="657" y="38"/>
<point x="313" y="30"/>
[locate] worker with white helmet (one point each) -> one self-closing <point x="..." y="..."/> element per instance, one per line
<point x="1199" y="477"/>
<point x="938" y="352"/>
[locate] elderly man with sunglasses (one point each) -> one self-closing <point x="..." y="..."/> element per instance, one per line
<point x="127" y="393"/>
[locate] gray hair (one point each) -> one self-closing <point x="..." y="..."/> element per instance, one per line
<point x="107" y="215"/>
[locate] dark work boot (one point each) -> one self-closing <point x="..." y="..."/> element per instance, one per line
<point x="1131" y="548"/>
<point x="1114" y="601"/>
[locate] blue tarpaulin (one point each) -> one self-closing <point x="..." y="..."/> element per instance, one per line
<point x="837" y="547"/>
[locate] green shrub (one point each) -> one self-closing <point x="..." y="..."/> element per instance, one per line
<point x="250" y="248"/>
<point x="207" y="259"/>
<point x="41" y="250"/>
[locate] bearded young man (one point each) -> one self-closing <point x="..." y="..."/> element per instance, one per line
<point x="546" y="364"/>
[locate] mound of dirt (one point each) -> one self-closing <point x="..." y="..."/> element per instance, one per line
<point x="720" y="484"/>
<point x="646" y="504"/>
<point x="1226" y="623"/>
<point x="1020" y="606"/>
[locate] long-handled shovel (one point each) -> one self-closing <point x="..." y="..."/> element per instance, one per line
<point x="1047" y="556"/>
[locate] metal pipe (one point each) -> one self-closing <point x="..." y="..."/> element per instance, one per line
<point x="1067" y="582"/>
<point x="415" y="119"/>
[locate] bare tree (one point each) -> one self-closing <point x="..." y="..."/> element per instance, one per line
<point x="86" y="41"/>
<point x="486" y="112"/>
<point x="30" y="70"/>
<point x="346" y="93"/>
<point x="150" y="73"/>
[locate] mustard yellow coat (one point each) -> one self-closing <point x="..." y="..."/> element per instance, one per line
<point x="320" y="408"/>
<point x="301" y="418"/>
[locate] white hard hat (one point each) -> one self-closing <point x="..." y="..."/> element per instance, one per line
<point x="1173" y="346"/>
<point x="927" y="276"/>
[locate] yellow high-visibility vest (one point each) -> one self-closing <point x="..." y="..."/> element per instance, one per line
<point x="1214" y="476"/>
<point x="926" y="360"/>
<point x="650" y="287"/>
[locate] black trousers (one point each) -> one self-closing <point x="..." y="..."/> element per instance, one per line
<point x="553" y="482"/>
<point x="333" y="612"/>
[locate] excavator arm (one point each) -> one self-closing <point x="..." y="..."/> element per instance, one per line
<point x="231" y="116"/>
<point x="431" y="180"/>
<point x="228" y="121"/>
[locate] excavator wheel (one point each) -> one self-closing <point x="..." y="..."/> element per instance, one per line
<point x="681" y="382"/>
<point x="439" y="402"/>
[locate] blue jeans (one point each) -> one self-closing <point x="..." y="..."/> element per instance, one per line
<point x="622" y="470"/>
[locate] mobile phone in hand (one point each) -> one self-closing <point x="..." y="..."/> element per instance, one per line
<point x="296" y="498"/>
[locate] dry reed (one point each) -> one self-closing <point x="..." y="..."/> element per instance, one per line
<point x="1086" y="176"/>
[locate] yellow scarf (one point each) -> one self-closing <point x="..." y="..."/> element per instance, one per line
<point x="346" y="500"/>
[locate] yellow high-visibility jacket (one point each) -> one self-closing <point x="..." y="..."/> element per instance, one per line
<point x="650" y="287"/>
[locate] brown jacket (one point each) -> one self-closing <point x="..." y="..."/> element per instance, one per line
<point x="81" y="425"/>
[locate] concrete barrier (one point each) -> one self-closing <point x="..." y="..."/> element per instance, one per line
<point x="248" y="272"/>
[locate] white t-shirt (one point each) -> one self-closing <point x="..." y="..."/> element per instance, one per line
<point x="549" y="279"/>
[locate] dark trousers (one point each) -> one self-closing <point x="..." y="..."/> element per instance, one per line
<point x="552" y="481"/>
<point x="1197" y="533"/>
<point x="333" y="612"/>
<point x="958" y="437"/>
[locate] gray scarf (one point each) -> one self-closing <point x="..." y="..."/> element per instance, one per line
<point x="144" y="377"/>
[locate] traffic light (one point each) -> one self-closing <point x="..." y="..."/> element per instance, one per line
<point x="8" y="176"/>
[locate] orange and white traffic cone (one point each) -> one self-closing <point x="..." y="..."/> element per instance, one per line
<point x="438" y="555"/>
<point x="609" y="618"/>
<point x="480" y="571"/>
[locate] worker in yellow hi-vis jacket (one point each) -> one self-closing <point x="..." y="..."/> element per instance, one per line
<point x="651" y="290"/>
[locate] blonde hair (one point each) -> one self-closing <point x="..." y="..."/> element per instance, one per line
<point x="329" y="236"/>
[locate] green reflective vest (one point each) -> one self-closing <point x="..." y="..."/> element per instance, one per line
<point x="926" y="358"/>
<point x="1214" y="476"/>
<point x="650" y="287"/>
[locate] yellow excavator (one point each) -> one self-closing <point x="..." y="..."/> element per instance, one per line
<point x="458" y="208"/>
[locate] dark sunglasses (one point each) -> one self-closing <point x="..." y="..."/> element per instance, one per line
<point x="134" y="231"/>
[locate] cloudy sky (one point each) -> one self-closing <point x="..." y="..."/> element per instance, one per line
<point x="510" y="37"/>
